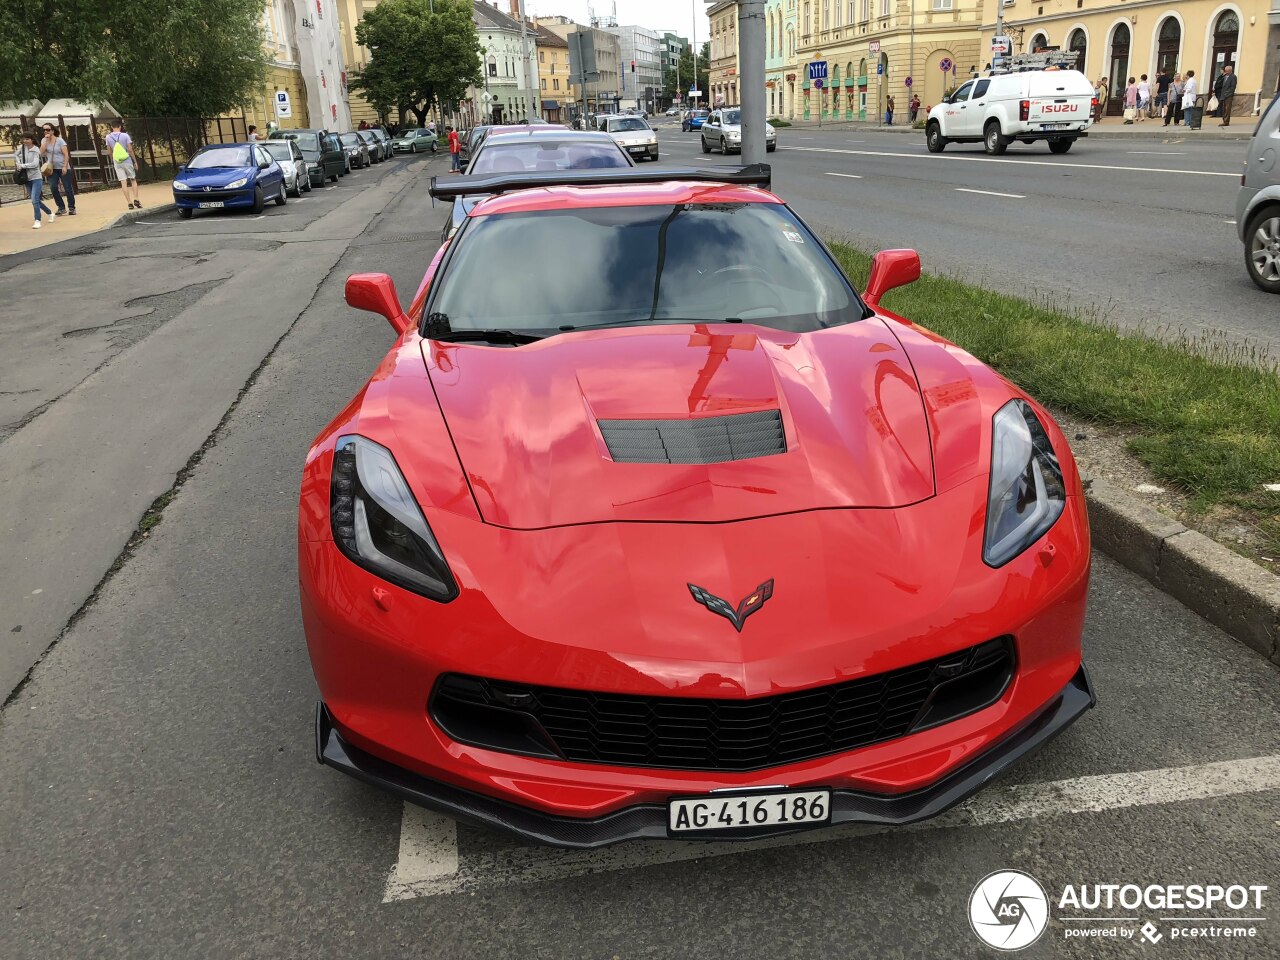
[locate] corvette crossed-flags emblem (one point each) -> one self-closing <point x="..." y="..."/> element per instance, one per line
<point x="735" y="615"/>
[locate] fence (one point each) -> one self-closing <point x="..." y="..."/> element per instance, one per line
<point x="161" y="145"/>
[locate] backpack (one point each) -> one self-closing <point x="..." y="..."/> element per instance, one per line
<point x="118" y="153"/>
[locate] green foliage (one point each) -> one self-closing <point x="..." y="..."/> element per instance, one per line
<point x="418" y="57"/>
<point x="1205" y="416"/>
<point x="146" y="57"/>
<point x="669" y="85"/>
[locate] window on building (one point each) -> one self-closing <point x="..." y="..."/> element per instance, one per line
<point x="866" y="10"/>
<point x="884" y="8"/>
<point x="942" y="4"/>
<point x="555" y="84"/>
<point x="493" y="66"/>
<point x="542" y="56"/>
<point x="826" y="15"/>
<point x="807" y="31"/>
<point x="544" y="83"/>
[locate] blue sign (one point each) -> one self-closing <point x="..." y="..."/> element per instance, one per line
<point x="879" y="69"/>
<point x="818" y="70"/>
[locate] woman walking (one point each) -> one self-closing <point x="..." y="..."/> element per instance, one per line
<point x="1131" y="101"/>
<point x="26" y="164"/>
<point x="54" y="153"/>
<point x="1174" y="110"/>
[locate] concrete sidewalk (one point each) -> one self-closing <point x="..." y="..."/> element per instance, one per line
<point x="95" y="210"/>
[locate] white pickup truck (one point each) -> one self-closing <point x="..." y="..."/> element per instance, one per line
<point x="1052" y="105"/>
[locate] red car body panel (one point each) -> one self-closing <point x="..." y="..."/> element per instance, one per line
<point x="573" y="569"/>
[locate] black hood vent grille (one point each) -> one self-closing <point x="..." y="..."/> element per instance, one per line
<point x="739" y="436"/>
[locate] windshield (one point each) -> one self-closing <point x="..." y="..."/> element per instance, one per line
<point x="752" y="262"/>
<point x="627" y="123"/>
<point x="308" y="141"/>
<point x="699" y="113"/>
<point x="220" y="157"/>
<point x="417" y="133"/>
<point x="277" y="148"/>
<point x="547" y="155"/>
<point x="350" y="139"/>
<point x="731" y="116"/>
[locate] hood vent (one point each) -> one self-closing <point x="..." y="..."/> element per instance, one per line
<point x="739" y="436"/>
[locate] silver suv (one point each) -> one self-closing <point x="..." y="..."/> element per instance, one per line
<point x="1258" y="202"/>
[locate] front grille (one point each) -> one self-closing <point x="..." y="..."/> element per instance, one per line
<point x="215" y="195"/>
<point x="737" y="436"/>
<point x="701" y="734"/>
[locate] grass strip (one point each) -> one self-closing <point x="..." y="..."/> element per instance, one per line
<point x="1205" y="414"/>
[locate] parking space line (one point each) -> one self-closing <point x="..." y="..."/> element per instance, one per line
<point x="441" y="871"/>
<point x="851" y="176"/>
<point x="992" y="193"/>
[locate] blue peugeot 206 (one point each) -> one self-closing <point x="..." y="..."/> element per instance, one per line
<point x="226" y="175"/>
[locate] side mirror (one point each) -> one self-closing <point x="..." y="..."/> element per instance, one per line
<point x="376" y="293"/>
<point x="264" y="164"/>
<point x="890" y="269"/>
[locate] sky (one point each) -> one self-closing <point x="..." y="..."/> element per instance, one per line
<point x="661" y="15"/>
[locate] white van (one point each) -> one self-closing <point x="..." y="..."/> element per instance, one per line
<point x="1052" y="105"/>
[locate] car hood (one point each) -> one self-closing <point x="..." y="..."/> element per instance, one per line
<point x="216" y="176"/>
<point x="525" y="422"/>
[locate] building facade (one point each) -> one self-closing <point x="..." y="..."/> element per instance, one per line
<point x="780" y="46"/>
<point x="603" y="87"/>
<point x="351" y="12"/>
<point x="723" y="71"/>
<point x="672" y="48"/>
<point x="555" y="75"/>
<point x="301" y="39"/>
<point x="1122" y="40"/>
<point x="640" y="53"/>
<point x="505" y="96"/>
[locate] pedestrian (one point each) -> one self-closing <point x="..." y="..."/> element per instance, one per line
<point x="1144" y="97"/>
<point x="431" y="128"/>
<point x="54" y="153"/>
<point x="364" y="125"/>
<point x="1174" y="111"/>
<point x="253" y="133"/>
<point x="1100" y="94"/>
<point x="915" y="106"/>
<point x="26" y="173"/>
<point x="120" y="148"/>
<point x="1190" y="110"/>
<point x="888" y="111"/>
<point x="1225" y="88"/>
<point x="1163" y="82"/>
<point x="455" y="150"/>
<point x="1131" y="101"/>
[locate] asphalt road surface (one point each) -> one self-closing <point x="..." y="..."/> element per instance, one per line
<point x="158" y="788"/>
<point x="1137" y="231"/>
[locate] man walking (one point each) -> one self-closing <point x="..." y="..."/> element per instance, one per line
<point x="1162" y="91"/>
<point x="455" y="150"/>
<point x="53" y="151"/>
<point x="1190" y="90"/>
<point x="914" y="106"/>
<point x="120" y="149"/>
<point x="1225" y="89"/>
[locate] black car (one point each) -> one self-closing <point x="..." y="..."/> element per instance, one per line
<point x="326" y="160"/>
<point x="376" y="153"/>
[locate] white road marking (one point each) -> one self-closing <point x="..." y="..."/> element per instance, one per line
<point x="992" y="193"/>
<point x="1159" y="153"/>
<point x="1029" y="163"/>
<point x="1232" y="222"/>
<point x="851" y="176"/>
<point x="434" y="839"/>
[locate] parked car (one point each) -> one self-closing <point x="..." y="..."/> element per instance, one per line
<point x="633" y="133"/>
<point x="228" y="176"/>
<point x="1051" y="105"/>
<point x="357" y="150"/>
<point x="326" y="160"/>
<point x="374" y="145"/>
<point x="1258" y="202"/>
<point x="682" y="536"/>
<point x="693" y="120"/>
<point x="723" y="130"/>
<point x="418" y="140"/>
<point x="384" y="139"/>
<point x="673" y="111"/>
<point x="287" y="153"/>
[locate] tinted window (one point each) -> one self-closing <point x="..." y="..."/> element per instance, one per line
<point x="221" y="157"/>
<point x="963" y="93"/>
<point x="308" y="141"/>
<point x="627" y="123"/>
<point x="351" y="140"/>
<point x="981" y="89"/>
<point x="755" y="262"/>
<point x="731" y="116"/>
<point x="547" y="155"/>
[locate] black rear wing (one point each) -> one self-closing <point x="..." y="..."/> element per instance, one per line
<point x="448" y="187"/>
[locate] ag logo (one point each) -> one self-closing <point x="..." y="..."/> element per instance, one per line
<point x="1008" y="910"/>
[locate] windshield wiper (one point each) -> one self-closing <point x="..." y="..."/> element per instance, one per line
<point x="642" y="320"/>
<point x="514" y="337"/>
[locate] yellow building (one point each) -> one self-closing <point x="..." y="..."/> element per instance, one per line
<point x="1122" y="40"/>
<point x="876" y="49"/>
<point x="555" y="87"/>
<point x="356" y="57"/>
<point x="722" y="75"/>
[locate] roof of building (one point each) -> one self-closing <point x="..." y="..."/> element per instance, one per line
<point x="548" y="38"/>
<point x="489" y="17"/>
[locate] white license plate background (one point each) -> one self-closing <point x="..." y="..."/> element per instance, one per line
<point x="731" y="812"/>
<point x="211" y="204"/>
<point x="1055" y="126"/>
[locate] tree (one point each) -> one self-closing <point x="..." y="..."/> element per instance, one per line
<point x="686" y="74"/>
<point x="149" y="57"/>
<point x="419" y="55"/>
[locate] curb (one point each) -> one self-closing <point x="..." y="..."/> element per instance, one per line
<point x="131" y="215"/>
<point x="1234" y="594"/>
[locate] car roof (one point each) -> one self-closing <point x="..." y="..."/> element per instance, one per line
<point x="219" y="146"/>
<point x="555" y="134"/>
<point x="668" y="193"/>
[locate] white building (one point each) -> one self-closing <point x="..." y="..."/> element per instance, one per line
<point x="509" y="92"/>
<point x="640" y="62"/>
<point x="320" y="57"/>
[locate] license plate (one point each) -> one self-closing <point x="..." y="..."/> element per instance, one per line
<point x="211" y="204"/>
<point x="748" y="811"/>
<point x="636" y="149"/>
<point x="1055" y="126"/>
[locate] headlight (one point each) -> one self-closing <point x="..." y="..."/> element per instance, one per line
<point x="379" y="526"/>
<point x="1027" y="494"/>
<point x="237" y="183"/>
<point x="179" y="185"/>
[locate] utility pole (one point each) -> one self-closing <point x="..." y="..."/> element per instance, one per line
<point x="532" y="101"/>
<point x="694" y="46"/>
<point x="751" y="69"/>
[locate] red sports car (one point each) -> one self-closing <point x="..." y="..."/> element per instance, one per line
<point x="650" y="525"/>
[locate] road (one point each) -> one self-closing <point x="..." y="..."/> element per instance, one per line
<point x="1139" y="232"/>
<point x="158" y="788"/>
